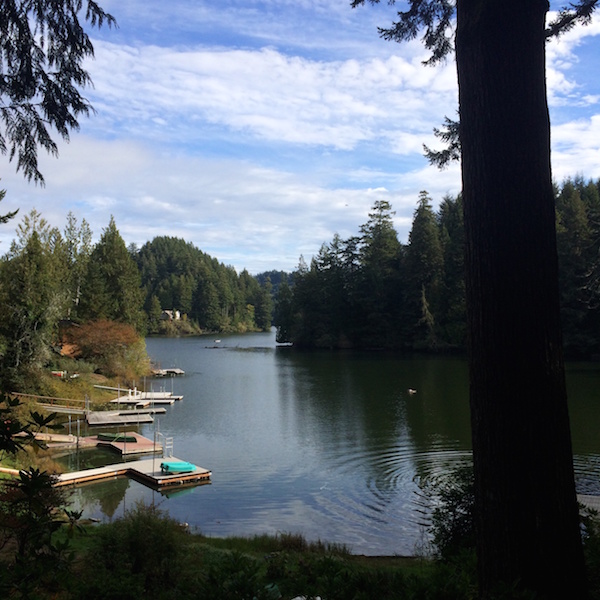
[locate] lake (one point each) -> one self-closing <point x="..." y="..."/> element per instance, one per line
<point x="328" y="444"/>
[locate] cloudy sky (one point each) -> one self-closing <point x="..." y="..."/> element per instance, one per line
<point x="256" y="129"/>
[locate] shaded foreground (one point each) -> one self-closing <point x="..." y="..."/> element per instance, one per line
<point x="149" y="555"/>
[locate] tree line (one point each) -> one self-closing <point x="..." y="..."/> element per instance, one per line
<point x="372" y="291"/>
<point x="367" y="291"/>
<point x="175" y="274"/>
<point x="53" y="281"/>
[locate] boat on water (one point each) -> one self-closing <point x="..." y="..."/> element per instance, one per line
<point x="175" y="467"/>
<point x="171" y="372"/>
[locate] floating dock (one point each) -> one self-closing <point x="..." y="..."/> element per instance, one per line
<point x="128" y="444"/>
<point x="106" y="418"/>
<point x="155" y="397"/>
<point x="146" y="471"/>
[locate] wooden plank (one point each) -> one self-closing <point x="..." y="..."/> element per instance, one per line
<point x="67" y="410"/>
<point x="98" y="473"/>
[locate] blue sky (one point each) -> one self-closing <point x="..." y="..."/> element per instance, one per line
<point x="258" y="129"/>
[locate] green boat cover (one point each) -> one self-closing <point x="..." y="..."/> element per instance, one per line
<point x="116" y="437"/>
<point x="177" y="467"/>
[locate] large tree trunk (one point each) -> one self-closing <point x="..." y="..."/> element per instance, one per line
<point x="527" y="519"/>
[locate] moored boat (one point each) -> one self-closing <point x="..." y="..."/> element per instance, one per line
<point x="174" y="467"/>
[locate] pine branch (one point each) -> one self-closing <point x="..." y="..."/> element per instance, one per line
<point x="577" y="13"/>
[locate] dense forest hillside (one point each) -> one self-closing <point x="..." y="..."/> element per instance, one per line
<point x="56" y="286"/>
<point x="372" y="291"/>
<point x="367" y="291"/>
<point x="176" y="275"/>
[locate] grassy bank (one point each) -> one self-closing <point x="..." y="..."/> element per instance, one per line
<point x="148" y="555"/>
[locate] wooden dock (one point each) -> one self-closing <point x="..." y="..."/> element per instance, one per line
<point x="145" y="471"/>
<point x="106" y="418"/>
<point x="141" y="445"/>
<point x="144" y="399"/>
<point x="160" y="397"/>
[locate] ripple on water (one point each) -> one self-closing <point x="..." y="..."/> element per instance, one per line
<point x="380" y="492"/>
<point x="587" y="474"/>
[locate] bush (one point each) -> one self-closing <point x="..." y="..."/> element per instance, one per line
<point x="32" y="512"/>
<point x="116" y="348"/>
<point x="453" y="525"/>
<point x="139" y="556"/>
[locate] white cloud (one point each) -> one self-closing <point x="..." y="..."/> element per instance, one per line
<point x="257" y="140"/>
<point x="239" y="212"/>
<point x="265" y="94"/>
<point x="576" y="148"/>
<point x="562" y="60"/>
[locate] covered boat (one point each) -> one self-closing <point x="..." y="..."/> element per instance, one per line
<point x="174" y="467"/>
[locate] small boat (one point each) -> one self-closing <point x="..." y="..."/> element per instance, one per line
<point x="116" y="437"/>
<point x="174" y="467"/>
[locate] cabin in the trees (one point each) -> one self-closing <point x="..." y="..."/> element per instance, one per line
<point x="170" y="315"/>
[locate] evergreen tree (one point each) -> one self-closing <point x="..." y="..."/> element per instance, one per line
<point x="30" y="224"/>
<point x="184" y="298"/>
<point x="154" y="314"/>
<point x="379" y="267"/>
<point x="424" y="264"/>
<point x="451" y="314"/>
<point x="208" y="308"/>
<point x="309" y="329"/>
<point x="592" y="199"/>
<point x="78" y="248"/>
<point x="527" y="520"/>
<point x="329" y="299"/>
<point x="33" y="302"/>
<point x="8" y="216"/>
<point x="574" y="244"/>
<point x="284" y="313"/>
<point x="264" y="306"/>
<point x="112" y="289"/>
<point x="275" y="277"/>
<point x="43" y="47"/>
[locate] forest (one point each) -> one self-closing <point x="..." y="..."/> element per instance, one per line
<point x="58" y="289"/>
<point x="372" y="291"/>
<point x="367" y="291"/>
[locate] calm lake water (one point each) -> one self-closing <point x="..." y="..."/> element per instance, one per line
<point x="330" y="445"/>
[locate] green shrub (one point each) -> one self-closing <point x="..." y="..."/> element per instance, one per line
<point x="141" y="555"/>
<point x="452" y="521"/>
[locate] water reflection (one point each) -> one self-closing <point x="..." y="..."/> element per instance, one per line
<point x="330" y="445"/>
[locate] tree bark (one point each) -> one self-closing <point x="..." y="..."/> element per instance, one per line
<point x="527" y="515"/>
